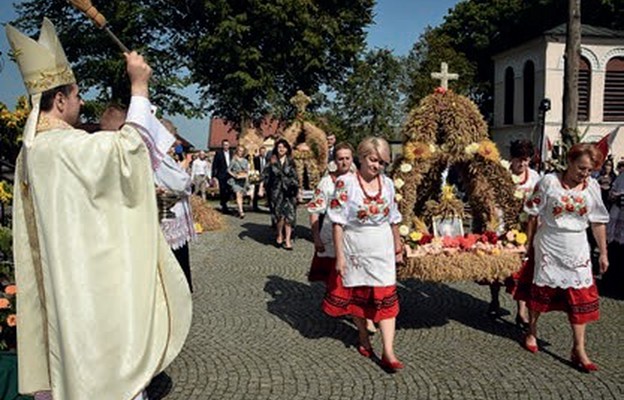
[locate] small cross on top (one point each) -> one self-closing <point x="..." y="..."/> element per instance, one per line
<point x="300" y="101"/>
<point x="444" y="76"/>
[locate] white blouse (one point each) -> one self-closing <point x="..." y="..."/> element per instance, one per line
<point x="566" y="209"/>
<point x="349" y="205"/>
<point x="319" y="204"/>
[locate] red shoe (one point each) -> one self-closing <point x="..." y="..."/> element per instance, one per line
<point x="365" y="351"/>
<point x="587" y="368"/>
<point x="529" y="347"/>
<point x="391" y="366"/>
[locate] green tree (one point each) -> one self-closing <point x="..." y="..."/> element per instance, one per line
<point x="249" y="57"/>
<point x="370" y="100"/>
<point x="426" y="56"/>
<point x="98" y="63"/>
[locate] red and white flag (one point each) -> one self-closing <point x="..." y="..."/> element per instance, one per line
<point x="604" y="144"/>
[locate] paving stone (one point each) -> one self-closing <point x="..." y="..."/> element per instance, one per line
<point x="258" y="333"/>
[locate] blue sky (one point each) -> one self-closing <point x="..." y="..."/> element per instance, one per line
<point x="398" y="24"/>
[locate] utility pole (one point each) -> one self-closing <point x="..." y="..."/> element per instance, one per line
<point x="569" y="128"/>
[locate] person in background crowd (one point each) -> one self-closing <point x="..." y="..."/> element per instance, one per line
<point x="331" y="151"/>
<point x="113" y="117"/>
<point x="239" y="172"/>
<point x="200" y="174"/>
<point x="566" y="203"/>
<point x="220" y="165"/>
<point x="367" y="244"/>
<point x="283" y="186"/>
<point x="605" y="179"/>
<point x="172" y="177"/>
<point x="260" y="162"/>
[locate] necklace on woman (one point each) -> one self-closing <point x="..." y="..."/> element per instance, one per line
<point x="368" y="196"/>
<point x="524" y="178"/>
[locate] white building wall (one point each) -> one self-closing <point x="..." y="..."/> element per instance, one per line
<point x="548" y="58"/>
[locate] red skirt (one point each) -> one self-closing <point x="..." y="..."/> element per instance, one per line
<point x="374" y="303"/>
<point x="321" y="268"/>
<point x="581" y="305"/>
<point x="519" y="284"/>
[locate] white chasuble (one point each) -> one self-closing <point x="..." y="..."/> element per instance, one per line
<point x="103" y="305"/>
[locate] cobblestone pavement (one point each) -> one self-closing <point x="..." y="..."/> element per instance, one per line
<point x="258" y="333"/>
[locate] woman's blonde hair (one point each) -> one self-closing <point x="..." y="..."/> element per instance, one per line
<point x="241" y="147"/>
<point x="376" y="145"/>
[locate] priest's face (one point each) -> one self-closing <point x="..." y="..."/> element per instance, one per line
<point x="71" y="106"/>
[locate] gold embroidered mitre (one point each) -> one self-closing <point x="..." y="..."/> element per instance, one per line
<point x="43" y="64"/>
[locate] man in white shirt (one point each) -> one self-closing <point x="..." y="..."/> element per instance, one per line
<point x="200" y="174"/>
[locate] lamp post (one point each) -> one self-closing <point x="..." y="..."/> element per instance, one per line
<point x="544" y="107"/>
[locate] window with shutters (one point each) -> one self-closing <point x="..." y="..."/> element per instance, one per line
<point x="614" y="90"/>
<point x="509" y="97"/>
<point x="584" y="89"/>
<point x="528" y="78"/>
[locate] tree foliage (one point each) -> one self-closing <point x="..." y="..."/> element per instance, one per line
<point x="249" y="57"/>
<point x="426" y="56"/>
<point x="97" y="62"/>
<point x="370" y="100"/>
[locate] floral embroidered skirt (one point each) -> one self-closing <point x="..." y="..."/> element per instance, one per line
<point x="581" y="305"/>
<point x="370" y="302"/>
<point x="321" y="268"/>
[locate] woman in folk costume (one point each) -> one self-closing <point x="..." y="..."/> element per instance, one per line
<point x="368" y="246"/>
<point x="324" y="260"/>
<point x="323" y="266"/>
<point x="103" y="305"/>
<point x="525" y="179"/>
<point x="566" y="204"/>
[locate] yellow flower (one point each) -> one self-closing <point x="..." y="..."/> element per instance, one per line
<point x="416" y="236"/>
<point x="488" y="150"/>
<point x="472" y="148"/>
<point x="506" y="164"/>
<point x="448" y="192"/>
<point x="496" y="251"/>
<point x="417" y="150"/>
<point x="403" y="230"/>
<point x="521" y="238"/>
<point x="398" y="197"/>
<point x="405" y="167"/>
<point x="398" y="183"/>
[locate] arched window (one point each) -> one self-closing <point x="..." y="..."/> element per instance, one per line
<point x="614" y="90"/>
<point x="584" y="89"/>
<point x="528" y="77"/>
<point x="509" y="96"/>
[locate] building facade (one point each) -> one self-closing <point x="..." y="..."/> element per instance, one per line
<point x="533" y="71"/>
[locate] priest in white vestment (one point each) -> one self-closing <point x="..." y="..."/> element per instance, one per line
<point x="102" y="306"/>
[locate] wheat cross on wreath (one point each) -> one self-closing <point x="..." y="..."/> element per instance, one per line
<point x="300" y="101"/>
